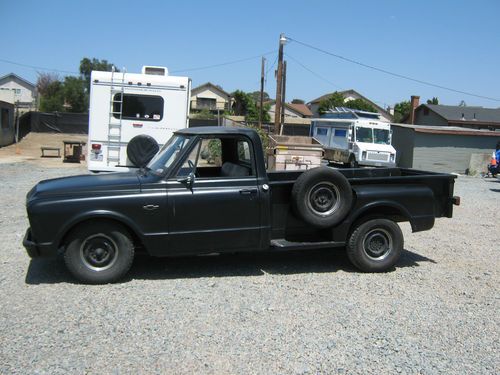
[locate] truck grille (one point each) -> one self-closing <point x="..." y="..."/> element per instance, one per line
<point x="377" y="157"/>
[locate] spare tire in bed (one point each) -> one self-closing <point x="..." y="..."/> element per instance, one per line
<point x="141" y="149"/>
<point x="322" y="197"/>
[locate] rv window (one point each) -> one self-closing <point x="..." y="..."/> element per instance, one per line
<point x="340" y="133"/>
<point x="4" y="120"/>
<point x="140" y="107"/>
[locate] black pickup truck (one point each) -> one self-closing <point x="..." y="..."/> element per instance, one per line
<point x="208" y="190"/>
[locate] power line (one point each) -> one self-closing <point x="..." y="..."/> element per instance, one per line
<point x="223" y="64"/>
<point x="312" y="72"/>
<point x="38" y="67"/>
<point x="391" y="73"/>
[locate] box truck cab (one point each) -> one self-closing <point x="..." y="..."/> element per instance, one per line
<point x="355" y="138"/>
<point x="132" y="115"/>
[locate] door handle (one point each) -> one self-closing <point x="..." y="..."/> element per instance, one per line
<point x="151" y="207"/>
<point x="248" y="191"/>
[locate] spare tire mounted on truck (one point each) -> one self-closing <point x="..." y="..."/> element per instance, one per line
<point x="322" y="197"/>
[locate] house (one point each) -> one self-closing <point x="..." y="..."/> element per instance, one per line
<point x="292" y="110"/>
<point x="438" y="148"/>
<point x="449" y="115"/>
<point x="349" y="95"/>
<point x="211" y="97"/>
<point x="17" y="90"/>
<point x="7" y="128"/>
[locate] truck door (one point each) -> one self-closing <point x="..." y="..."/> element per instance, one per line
<point x="214" y="203"/>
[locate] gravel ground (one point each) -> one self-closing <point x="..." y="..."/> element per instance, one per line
<point x="294" y="313"/>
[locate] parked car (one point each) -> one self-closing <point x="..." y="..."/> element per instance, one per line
<point x="207" y="190"/>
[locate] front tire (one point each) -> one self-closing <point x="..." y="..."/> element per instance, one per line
<point x="99" y="253"/>
<point x="375" y="245"/>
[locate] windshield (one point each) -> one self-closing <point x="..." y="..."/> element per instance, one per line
<point x="382" y="136"/>
<point x="364" y="135"/>
<point x="370" y="135"/>
<point x="168" y="153"/>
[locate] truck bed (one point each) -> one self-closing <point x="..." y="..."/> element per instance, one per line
<point x="363" y="181"/>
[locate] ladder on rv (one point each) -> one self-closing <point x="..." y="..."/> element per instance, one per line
<point x="117" y="88"/>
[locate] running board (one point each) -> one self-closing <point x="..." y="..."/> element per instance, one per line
<point x="282" y="244"/>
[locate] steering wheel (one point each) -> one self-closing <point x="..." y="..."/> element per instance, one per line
<point x="191" y="165"/>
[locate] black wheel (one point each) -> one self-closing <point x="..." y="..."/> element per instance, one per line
<point x="99" y="253"/>
<point x="141" y="149"/>
<point x="352" y="162"/>
<point x="375" y="245"/>
<point x="322" y="197"/>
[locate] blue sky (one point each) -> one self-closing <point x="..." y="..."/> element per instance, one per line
<point x="450" y="43"/>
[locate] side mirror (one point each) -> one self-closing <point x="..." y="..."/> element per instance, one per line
<point x="188" y="180"/>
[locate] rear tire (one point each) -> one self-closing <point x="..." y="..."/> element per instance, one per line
<point x="352" y="162"/>
<point x="375" y="245"/>
<point x="99" y="253"/>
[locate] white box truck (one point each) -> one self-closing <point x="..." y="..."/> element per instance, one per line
<point x="354" y="137"/>
<point x="132" y="115"/>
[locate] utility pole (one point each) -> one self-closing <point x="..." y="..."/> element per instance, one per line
<point x="261" y="109"/>
<point x="279" y="86"/>
<point x="283" y="99"/>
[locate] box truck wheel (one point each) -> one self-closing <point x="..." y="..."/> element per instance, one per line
<point x="141" y="149"/>
<point x="352" y="162"/>
<point x="322" y="197"/>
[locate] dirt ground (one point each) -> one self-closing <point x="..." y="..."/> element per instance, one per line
<point x="29" y="150"/>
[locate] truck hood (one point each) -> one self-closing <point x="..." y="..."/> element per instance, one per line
<point x="86" y="185"/>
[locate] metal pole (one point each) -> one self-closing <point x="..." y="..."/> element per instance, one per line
<point x="283" y="100"/>
<point x="277" y="112"/>
<point x="261" y="109"/>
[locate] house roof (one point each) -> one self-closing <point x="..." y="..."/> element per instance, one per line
<point x="351" y="91"/>
<point x="451" y="130"/>
<point x="19" y="78"/>
<point x="210" y="84"/>
<point x="299" y="108"/>
<point x="457" y="114"/>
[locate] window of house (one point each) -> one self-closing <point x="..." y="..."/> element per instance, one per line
<point x="4" y="118"/>
<point x="206" y="103"/>
<point x="140" y="107"/>
<point x="17" y="91"/>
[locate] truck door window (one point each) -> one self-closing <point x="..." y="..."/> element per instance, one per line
<point x="205" y="155"/>
<point x="138" y="107"/>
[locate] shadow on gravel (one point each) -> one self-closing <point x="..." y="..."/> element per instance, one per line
<point x="52" y="271"/>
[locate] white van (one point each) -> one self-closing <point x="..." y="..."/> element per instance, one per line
<point x="132" y="115"/>
<point x="355" y="138"/>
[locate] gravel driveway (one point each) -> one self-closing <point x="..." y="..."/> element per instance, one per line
<point x="288" y="313"/>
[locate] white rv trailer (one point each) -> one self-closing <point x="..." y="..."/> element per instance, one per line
<point x="355" y="138"/>
<point x="124" y="106"/>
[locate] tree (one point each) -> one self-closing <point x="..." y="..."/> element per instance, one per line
<point x="434" y="100"/>
<point x="401" y="110"/>
<point x="360" y="104"/>
<point x="338" y="100"/>
<point x="298" y="101"/>
<point x="256" y="96"/>
<point x="245" y="105"/>
<point x="53" y="98"/>
<point x="75" y="94"/>
<point x="334" y="100"/>
<point x="87" y="66"/>
<point x="44" y="80"/>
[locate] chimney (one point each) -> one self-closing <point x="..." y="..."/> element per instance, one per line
<point x="414" y="102"/>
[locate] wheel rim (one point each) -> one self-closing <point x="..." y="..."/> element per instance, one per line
<point x="98" y="252"/>
<point x="323" y="199"/>
<point x="377" y="244"/>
